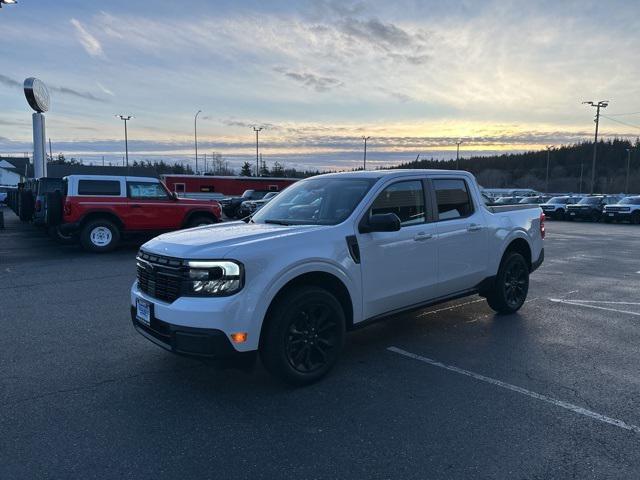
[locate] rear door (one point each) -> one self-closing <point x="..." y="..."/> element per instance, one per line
<point x="151" y="207"/>
<point x="399" y="269"/>
<point x="462" y="236"/>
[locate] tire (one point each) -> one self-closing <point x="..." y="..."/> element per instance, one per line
<point x="61" y="238"/>
<point x="200" y="220"/>
<point x="100" y="236"/>
<point x="635" y="218"/>
<point x="511" y="285"/>
<point x="53" y="209"/>
<point x="304" y="335"/>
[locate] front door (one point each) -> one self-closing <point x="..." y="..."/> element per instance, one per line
<point x="151" y="207"/>
<point x="399" y="269"/>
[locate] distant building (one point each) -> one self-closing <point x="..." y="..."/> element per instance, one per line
<point x="14" y="170"/>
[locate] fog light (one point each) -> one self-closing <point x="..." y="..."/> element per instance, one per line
<point x="239" y="337"/>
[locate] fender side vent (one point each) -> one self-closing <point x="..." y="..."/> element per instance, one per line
<point x="354" y="249"/>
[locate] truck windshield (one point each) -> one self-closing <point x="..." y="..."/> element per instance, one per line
<point x="317" y="201"/>
<point x="590" y="201"/>
<point x="559" y="200"/>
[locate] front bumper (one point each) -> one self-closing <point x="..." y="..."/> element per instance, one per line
<point x="618" y="215"/>
<point x="583" y="214"/>
<point x="198" y="326"/>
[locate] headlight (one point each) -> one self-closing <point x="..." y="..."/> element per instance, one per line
<point x="214" y="278"/>
<point x="625" y="209"/>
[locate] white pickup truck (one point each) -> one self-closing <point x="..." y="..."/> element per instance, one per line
<point x="329" y="254"/>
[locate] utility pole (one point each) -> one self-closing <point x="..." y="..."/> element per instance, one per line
<point x="103" y="160"/>
<point x="581" y="169"/>
<point x="50" y="151"/>
<point x="257" y="130"/>
<point x="626" y="185"/>
<point x="205" y="163"/>
<point x="598" y="105"/>
<point x="546" y="183"/>
<point x="195" y="135"/>
<point x="125" y="119"/>
<point x="458" y="154"/>
<point x="365" y="151"/>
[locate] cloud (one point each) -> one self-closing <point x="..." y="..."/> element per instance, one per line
<point x="316" y="82"/>
<point x="10" y="82"/>
<point x="105" y="89"/>
<point x="90" y="43"/>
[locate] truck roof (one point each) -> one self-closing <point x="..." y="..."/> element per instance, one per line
<point x="110" y="177"/>
<point x="397" y="173"/>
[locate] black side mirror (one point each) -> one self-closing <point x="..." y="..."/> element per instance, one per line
<point x="383" y="222"/>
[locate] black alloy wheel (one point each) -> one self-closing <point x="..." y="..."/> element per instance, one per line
<point x="516" y="284"/>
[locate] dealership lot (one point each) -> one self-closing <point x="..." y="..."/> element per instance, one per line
<point x="448" y="392"/>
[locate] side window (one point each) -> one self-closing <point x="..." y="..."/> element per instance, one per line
<point x="148" y="190"/>
<point x="405" y="199"/>
<point x="99" y="187"/>
<point x="178" y="187"/>
<point x="453" y="199"/>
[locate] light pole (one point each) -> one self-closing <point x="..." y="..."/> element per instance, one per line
<point x="195" y="135"/>
<point x="546" y="183"/>
<point x="257" y="130"/>
<point x="365" y="151"/>
<point x="598" y="105"/>
<point x="626" y="185"/>
<point x="458" y="154"/>
<point x="7" y="2"/>
<point x="126" y="140"/>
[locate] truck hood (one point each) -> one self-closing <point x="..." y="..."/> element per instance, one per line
<point x="215" y="241"/>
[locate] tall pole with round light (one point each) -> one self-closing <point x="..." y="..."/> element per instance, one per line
<point x="38" y="99"/>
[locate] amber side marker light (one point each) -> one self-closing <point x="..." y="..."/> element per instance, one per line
<point x="239" y="337"/>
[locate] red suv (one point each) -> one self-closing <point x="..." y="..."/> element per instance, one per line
<point x="100" y="209"/>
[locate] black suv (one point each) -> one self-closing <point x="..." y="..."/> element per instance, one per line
<point x="590" y="208"/>
<point x="556" y="208"/>
<point x="231" y="205"/>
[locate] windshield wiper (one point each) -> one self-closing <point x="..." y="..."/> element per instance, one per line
<point x="277" y="222"/>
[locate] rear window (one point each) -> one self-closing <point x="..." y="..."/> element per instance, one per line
<point x="453" y="199"/>
<point x="99" y="187"/>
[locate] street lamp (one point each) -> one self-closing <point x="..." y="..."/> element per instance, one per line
<point x="598" y="105"/>
<point x="257" y="130"/>
<point x="126" y="140"/>
<point x="365" y="151"/>
<point x="546" y="183"/>
<point x="458" y="154"/>
<point x="7" y="2"/>
<point x="195" y="134"/>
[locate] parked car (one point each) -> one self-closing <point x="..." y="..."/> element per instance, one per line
<point x="556" y="207"/>
<point x="590" y="208"/>
<point x="627" y="209"/>
<point x="328" y="254"/>
<point x="249" y="207"/>
<point x="508" y="200"/>
<point x="536" y="200"/>
<point x="231" y="205"/>
<point x="42" y="187"/>
<point x="101" y="209"/>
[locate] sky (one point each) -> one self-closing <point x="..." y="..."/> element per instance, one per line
<point x="416" y="76"/>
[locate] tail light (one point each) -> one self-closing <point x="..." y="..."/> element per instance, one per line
<point x="38" y="205"/>
<point x="542" y="229"/>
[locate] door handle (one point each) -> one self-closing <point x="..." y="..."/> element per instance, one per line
<point x="421" y="237"/>
<point x="474" y="227"/>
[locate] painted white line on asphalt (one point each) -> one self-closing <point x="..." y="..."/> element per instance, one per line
<point x="586" y="305"/>
<point x="451" y="307"/>
<point x="523" y="391"/>
<point x="607" y="302"/>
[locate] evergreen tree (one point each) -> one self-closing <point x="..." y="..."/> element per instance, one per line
<point x="245" y="171"/>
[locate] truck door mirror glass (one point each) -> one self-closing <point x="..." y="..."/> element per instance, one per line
<point x="382" y="222"/>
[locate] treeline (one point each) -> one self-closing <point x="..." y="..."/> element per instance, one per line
<point x="567" y="165"/>
<point x="277" y="170"/>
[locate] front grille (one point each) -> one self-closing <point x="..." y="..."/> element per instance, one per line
<point x="159" y="276"/>
<point x="617" y="209"/>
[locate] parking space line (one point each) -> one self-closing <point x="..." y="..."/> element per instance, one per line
<point x="580" y="304"/>
<point x="523" y="391"/>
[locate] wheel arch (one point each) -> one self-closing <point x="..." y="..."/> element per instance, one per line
<point x="102" y="215"/>
<point x="319" y="278"/>
<point x="521" y="246"/>
<point x="191" y="214"/>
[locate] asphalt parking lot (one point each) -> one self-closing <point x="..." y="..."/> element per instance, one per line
<point x="449" y="392"/>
